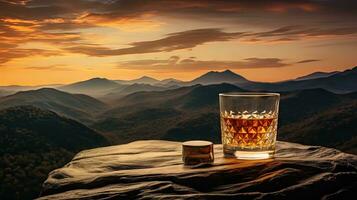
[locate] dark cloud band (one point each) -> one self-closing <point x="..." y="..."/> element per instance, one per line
<point x="174" y="63"/>
<point x="173" y="41"/>
<point x="192" y="38"/>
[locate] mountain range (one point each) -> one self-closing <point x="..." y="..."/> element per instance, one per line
<point x="111" y="89"/>
<point x="184" y="113"/>
<point x="337" y="82"/>
<point x="341" y="82"/>
<point x="42" y="128"/>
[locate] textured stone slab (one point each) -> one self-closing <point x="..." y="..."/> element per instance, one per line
<point x="153" y="169"/>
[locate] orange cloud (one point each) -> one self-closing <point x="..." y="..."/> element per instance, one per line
<point x="172" y="41"/>
<point x="192" y="38"/>
<point x="59" y="23"/>
<point x="126" y="23"/>
<point x="7" y="55"/>
<point x="15" y="32"/>
<point x="174" y="63"/>
<point x="52" y="68"/>
<point x="288" y="6"/>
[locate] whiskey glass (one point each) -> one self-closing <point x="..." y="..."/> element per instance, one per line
<point x="249" y="123"/>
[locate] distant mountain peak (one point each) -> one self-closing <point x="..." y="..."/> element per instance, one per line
<point x="144" y="79"/>
<point x="98" y="79"/>
<point x="147" y="78"/>
<point x="227" y="71"/>
<point x="93" y="86"/>
<point x="170" y="79"/>
<point x="216" y="77"/>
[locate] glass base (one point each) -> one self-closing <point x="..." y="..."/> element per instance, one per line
<point x="249" y="154"/>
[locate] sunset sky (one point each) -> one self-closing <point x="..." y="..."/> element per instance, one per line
<point x="63" y="41"/>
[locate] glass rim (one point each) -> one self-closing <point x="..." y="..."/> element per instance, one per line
<point x="249" y="94"/>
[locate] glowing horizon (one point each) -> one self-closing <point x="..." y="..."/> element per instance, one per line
<point x="61" y="42"/>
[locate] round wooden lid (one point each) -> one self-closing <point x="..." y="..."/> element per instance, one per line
<point x="197" y="152"/>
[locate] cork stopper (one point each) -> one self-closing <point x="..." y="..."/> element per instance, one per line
<point x="197" y="152"/>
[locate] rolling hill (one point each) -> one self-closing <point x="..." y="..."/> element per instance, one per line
<point x="18" y="88"/>
<point x="194" y="97"/>
<point x="297" y="105"/>
<point x="145" y="115"/>
<point x="316" y="75"/>
<point x="342" y="82"/>
<point x="5" y="93"/>
<point x="192" y="112"/>
<point x="75" y="106"/>
<point x="12" y="89"/>
<point x="170" y="81"/>
<point x="294" y="107"/>
<point x="33" y="143"/>
<point x="334" y="127"/>
<point x="128" y="89"/>
<point x="141" y="80"/>
<point x="92" y="87"/>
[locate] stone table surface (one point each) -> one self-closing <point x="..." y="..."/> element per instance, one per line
<point x="153" y="169"/>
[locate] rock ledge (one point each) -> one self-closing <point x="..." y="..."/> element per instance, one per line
<point x="153" y="169"/>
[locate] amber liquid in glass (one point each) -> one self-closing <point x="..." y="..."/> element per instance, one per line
<point x="249" y="136"/>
